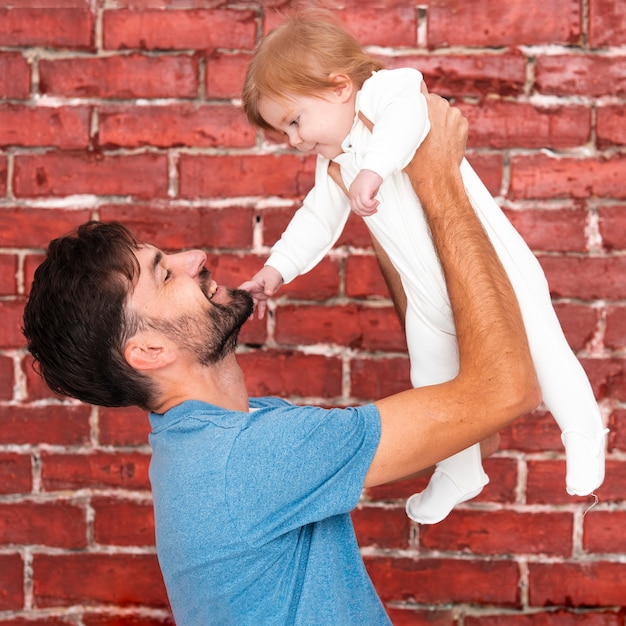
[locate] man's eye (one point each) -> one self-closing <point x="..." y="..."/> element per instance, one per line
<point x="168" y="275"/>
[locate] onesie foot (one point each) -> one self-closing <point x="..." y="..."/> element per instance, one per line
<point x="584" y="457"/>
<point x="441" y="495"/>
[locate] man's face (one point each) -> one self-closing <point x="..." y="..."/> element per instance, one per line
<point x="176" y="295"/>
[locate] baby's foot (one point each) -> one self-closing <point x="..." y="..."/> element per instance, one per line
<point x="441" y="495"/>
<point x="584" y="458"/>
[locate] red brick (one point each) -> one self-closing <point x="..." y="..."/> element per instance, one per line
<point x="14" y="76"/>
<point x="600" y="583"/>
<point x="225" y="74"/>
<point x="364" y="278"/>
<point x="11" y="327"/>
<point x="610" y="126"/>
<point x="60" y="127"/>
<point x="71" y="27"/>
<point x="445" y="580"/>
<point x="599" y="531"/>
<point x="56" y="524"/>
<point x="501" y="532"/>
<point x="7" y="378"/>
<point x="491" y="23"/>
<point x="8" y="274"/>
<point x="410" y="616"/>
<point x="489" y="169"/>
<point x="123" y="522"/>
<point x="617" y="438"/>
<point x="365" y="328"/>
<point x="122" y="77"/>
<point x="323" y="374"/>
<point x="382" y="527"/>
<point x="11" y="582"/>
<point x="167" y="126"/>
<point x="607" y="377"/>
<point x="373" y="379"/>
<point x="381" y="26"/>
<point x="587" y="278"/>
<point x="126" y="426"/>
<point x="15" y="473"/>
<point x="579" y="323"/>
<point x="36" y="388"/>
<point x="127" y="619"/>
<point x="54" y="424"/>
<point x="454" y="75"/>
<point x="61" y="174"/>
<point x="510" y="124"/>
<point x="542" y="176"/>
<point x="536" y="432"/>
<point x="388" y="25"/>
<point x="181" y="30"/>
<point x="227" y="175"/>
<point x="575" y="74"/>
<point x="122" y="579"/>
<point x="546" y="484"/>
<point x="607" y="23"/>
<point x="502" y="473"/>
<point x="555" y="230"/>
<point x="124" y="470"/>
<point x="35" y="228"/>
<point x="3" y="175"/>
<point x="615" y="331"/>
<point x="613" y="226"/>
<point x="186" y="227"/>
<point x="549" y="618"/>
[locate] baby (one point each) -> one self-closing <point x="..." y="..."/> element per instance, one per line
<point x="312" y="81"/>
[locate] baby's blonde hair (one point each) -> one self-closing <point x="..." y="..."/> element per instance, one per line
<point x="299" y="57"/>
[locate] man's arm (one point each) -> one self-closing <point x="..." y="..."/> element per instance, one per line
<point x="496" y="381"/>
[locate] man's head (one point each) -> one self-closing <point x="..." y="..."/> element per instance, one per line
<point x="99" y="295"/>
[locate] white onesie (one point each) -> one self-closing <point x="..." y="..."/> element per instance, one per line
<point x="392" y="101"/>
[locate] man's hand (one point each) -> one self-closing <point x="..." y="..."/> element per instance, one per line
<point x="263" y="285"/>
<point x="444" y="144"/>
<point x="363" y="192"/>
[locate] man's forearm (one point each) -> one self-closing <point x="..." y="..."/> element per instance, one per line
<point x="490" y="330"/>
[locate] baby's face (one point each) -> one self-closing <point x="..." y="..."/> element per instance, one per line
<point x="312" y="124"/>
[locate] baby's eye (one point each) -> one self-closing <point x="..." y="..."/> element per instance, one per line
<point x="295" y="122"/>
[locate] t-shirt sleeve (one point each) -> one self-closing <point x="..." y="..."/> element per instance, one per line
<point x="296" y="465"/>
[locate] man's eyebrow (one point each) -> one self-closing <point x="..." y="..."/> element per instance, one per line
<point x="155" y="263"/>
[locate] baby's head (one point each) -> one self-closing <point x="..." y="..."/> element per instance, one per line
<point x="300" y="57"/>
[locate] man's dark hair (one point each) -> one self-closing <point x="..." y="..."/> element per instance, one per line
<point x="76" y="323"/>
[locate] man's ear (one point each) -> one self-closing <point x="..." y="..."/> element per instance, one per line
<point x="343" y="86"/>
<point x="145" y="352"/>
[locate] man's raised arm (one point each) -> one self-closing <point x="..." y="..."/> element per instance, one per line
<point x="496" y="381"/>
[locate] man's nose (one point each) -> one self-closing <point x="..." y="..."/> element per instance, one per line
<point x="191" y="261"/>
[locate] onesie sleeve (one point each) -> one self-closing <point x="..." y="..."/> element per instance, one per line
<point x="392" y="100"/>
<point x="314" y="228"/>
<point x="295" y="465"/>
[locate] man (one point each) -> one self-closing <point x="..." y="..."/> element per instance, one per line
<point x="252" y="496"/>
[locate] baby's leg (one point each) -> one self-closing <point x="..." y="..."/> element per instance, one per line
<point x="434" y="359"/>
<point x="565" y="387"/>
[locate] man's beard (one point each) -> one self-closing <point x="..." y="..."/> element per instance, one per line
<point x="210" y="335"/>
<point x="226" y="321"/>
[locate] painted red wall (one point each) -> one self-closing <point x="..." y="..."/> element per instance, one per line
<point x="128" y="110"/>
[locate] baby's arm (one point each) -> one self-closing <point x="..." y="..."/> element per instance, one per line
<point x="392" y="101"/>
<point x="263" y="285"/>
<point x="363" y="192"/>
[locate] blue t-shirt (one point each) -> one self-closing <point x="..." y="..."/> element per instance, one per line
<point x="252" y="513"/>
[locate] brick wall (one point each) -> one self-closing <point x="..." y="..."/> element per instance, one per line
<point x="127" y="109"/>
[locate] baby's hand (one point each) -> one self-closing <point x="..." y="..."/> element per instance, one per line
<point x="264" y="284"/>
<point x="363" y="192"/>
